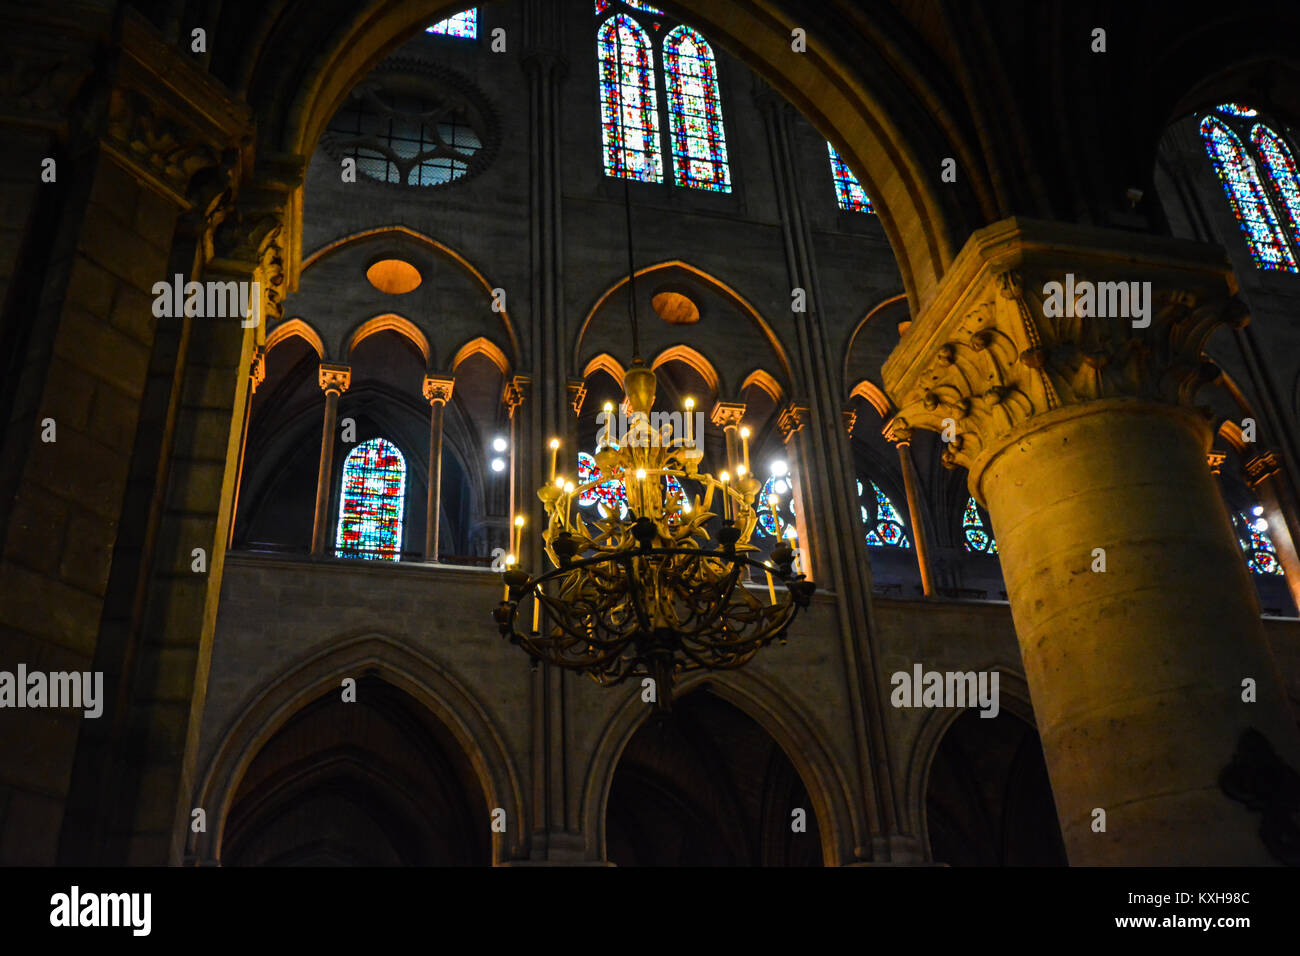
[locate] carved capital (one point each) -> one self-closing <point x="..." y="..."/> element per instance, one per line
<point x="438" y="388"/>
<point x="728" y="414"/>
<point x="1261" y="467"/>
<point x="335" y="378"/>
<point x="1033" y="316"/>
<point x="850" y="416"/>
<point x="516" y="392"/>
<point x="792" y="420"/>
<point x="257" y="367"/>
<point x="1215" y="460"/>
<point x="577" y="395"/>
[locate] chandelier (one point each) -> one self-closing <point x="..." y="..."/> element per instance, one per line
<point x="648" y="592"/>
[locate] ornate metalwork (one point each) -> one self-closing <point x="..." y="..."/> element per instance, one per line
<point x="651" y="594"/>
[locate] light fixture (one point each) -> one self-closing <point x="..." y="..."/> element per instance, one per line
<point x="1257" y="510"/>
<point x="499" y="444"/>
<point x="779" y="468"/>
<point x="498" y="464"/>
<point x="655" y="592"/>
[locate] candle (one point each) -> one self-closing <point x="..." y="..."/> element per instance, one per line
<point x="640" y="490"/>
<point x="771" y="588"/>
<point x="517" y="544"/>
<point x="744" y="442"/>
<point x="555" y="444"/>
<point x="609" y="424"/>
<point x="537" y="606"/>
<point x="690" y="414"/>
<point x="726" y="505"/>
<point x="505" y="589"/>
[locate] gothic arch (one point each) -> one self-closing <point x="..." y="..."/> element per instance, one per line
<point x="689" y="356"/>
<point x="1013" y="697"/>
<point x="429" y="682"/>
<point x="765" y="329"/>
<point x="428" y="242"/>
<point x="485" y="347"/>
<point x="390" y="322"/>
<point x="299" y="328"/>
<point x="872" y="395"/>
<point x="794" y="733"/>
<point x="762" y="380"/>
<point x="604" y="362"/>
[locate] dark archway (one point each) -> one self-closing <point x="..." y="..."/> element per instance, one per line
<point x="709" y="788"/>
<point x="989" y="802"/>
<point x="375" y="782"/>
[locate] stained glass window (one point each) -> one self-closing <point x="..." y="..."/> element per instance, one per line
<point x="370" y="509"/>
<point x="1252" y="534"/>
<point x="399" y="138"/>
<point x="603" y="5"/>
<point x="1247" y="196"/>
<point x="781" y="522"/>
<point x="1280" y="166"/>
<point x="1236" y="109"/>
<point x="885" y="529"/>
<point x="629" y="110"/>
<point x="463" y="25"/>
<point x="609" y="497"/>
<point x="978" y="537"/>
<point x="699" y="143"/>
<point x="848" y="191"/>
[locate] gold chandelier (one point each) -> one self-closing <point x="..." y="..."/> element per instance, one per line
<point x="648" y="593"/>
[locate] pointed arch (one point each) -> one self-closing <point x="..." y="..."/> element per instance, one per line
<point x="485" y="347"/>
<point x="405" y="232"/>
<point x="688" y="356"/>
<point x="629" y="106"/>
<point x="759" y="378"/>
<point x="728" y="291"/>
<point x="371" y="502"/>
<point x="871" y="393"/>
<point x="299" y="328"/>
<point x="1247" y="196"/>
<point x="976" y="535"/>
<point x="604" y="362"/>
<point x="1280" y="168"/>
<point x="886" y="527"/>
<point x="390" y="322"/>
<point x="696" y="133"/>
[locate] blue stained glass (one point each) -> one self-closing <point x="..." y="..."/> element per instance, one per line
<point x="629" y="112"/>
<point x="1236" y="109"/>
<point x="370" y="510"/>
<point x="1280" y="166"/>
<point x="609" y="497"/>
<point x="978" y="537"/>
<point x="775" y="524"/>
<point x="1246" y="195"/>
<point x="603" y="5"/>
<point x="888" y="530"/>
<point x="462" y="25"/>
<point x="1252" y="535"/>
<point x="848" y="191"/>
<point x="699" y="142"/>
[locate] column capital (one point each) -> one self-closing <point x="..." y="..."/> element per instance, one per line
<point x="727" y="414"/>
<point x="792" y="420"/>
<point x="257" y="367"/>
<point x="1261" y="467"/>
<point x="336" y="378"/>
<point x="1215" y="460"/>
<point x="1033" y="316"/>
<point x="577" y="395"/>
<point x="516" y="392"/>
<point x="850" y="417"/>
<point x="438" y="388"/>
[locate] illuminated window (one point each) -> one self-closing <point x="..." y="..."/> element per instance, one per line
<point x="399" y="138"/>
<point x="885" y="527"/>
<point x="370" y="507"/>
<point x="1262" y="189"/>
<point x="976" y="531"/>
<point x="848" y="191"/>
<point x="603" y="5"/>
<point x="699" y="144"/>
<point x="462" y="25"/>
<point x="778" y="523"/>
<point x="629" y="110"/>
<point x="1252" y="535"/>
<point x="609" y="497"/>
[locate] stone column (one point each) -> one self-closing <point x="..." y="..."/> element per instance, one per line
<point x="793" y="422"/>
<point x="903" y="438"/>
<point x="334" y="380"/>
<point x="1263" y="473"/>
<point x="437" y="389"/>
<point x="728" y="416"/>
<point x="1136" y="617"/>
